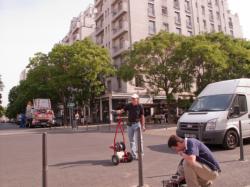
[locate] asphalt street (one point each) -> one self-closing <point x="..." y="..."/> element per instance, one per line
<point x="83" y="158"/>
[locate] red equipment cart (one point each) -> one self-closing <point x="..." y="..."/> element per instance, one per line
<point x="120" y="153"/>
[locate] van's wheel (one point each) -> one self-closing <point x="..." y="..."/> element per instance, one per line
<point x="231" y="140"/>
<point x="115" y="160"/>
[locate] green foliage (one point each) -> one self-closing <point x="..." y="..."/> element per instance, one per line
<point x="172" y="63"/>
<point x="72" y="73"/>
<point x="163" y="68"/>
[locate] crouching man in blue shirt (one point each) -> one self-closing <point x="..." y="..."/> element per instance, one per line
<point x="200" y="166"/>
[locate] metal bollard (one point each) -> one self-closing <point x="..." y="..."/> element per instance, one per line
<point x="140" y="165"/>
<point x="241" y="143"/>
<point x="45" y="161"/>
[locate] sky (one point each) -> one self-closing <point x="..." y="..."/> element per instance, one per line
<point x="30" y="26"/>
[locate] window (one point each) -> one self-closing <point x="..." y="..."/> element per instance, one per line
<point x="203" y="10"/>
<point x="109" y="85"/>
<point x="189" y="22"/>
<point x="121" y="42"/>
<point x="217" y="2"/>
<point x="212" y="103"/>
<point x="204" y="24"/>
<point x="119" y="83"/>
<point x="212" y="27"/>
<point x="165" y="27"/>
<point x="151" y="10"/>
<point x="211" y="17"/>
<point x="120" y="22"/>
<point x="139" y="81"/>
<point x="178" y="30"/>
<point x="177" y="18"/>
<point x="218" y="16"/>
<point x="232" y="32"/>
<point x="240" y="102"/>
<point x="151" y="27"/>
<point x="187" y="6"/>
<point x="230" y="23"/>
<point x="119" y="5"/>
<point x="219" y="28"/>
<point x="164" y="10"/>
<point x="190" y="33"/>
<point x="176" y="4"/>
<point x="209" y="2"/>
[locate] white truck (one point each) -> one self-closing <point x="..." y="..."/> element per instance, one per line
<point x="43" y="115"/>
<point x="215" y="114"/>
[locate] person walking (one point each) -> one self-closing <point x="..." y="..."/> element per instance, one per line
<point x="200" y="167"/>
<point x="136" y="120"/>
<point x="77" y="118"/>
<point x="29" y="113"/>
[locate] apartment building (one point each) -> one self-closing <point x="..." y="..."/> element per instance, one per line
<point x="120" y="23"/>
<point x="23" y="75"/>
<point x="81" y="26"/>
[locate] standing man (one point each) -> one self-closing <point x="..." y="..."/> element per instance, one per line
<point x="136" y="120"/>
<point x="200" y="166"/>
<point x="29" y="113"/>
<point x="77" y="118"/>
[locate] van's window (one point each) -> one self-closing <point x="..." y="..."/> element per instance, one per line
<point x="241" y="102"/>
<point x="212" y="103"/>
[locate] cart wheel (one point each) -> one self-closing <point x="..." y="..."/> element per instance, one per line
<point x="129" y="157"/>
<point x="115" y="160"/>
<point x="123" y="146"/>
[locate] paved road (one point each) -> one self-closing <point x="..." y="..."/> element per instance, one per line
<point x="82" y="158"/>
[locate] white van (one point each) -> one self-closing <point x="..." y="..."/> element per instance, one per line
<point x="215" y="114"/>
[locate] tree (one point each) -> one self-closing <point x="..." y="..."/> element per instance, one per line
<point x="79" y="70"/>
<point x="155" y="59"/>
<point x="205" y="57"/>
<point x="16" y="102"/>
<point x="217" y="57"/>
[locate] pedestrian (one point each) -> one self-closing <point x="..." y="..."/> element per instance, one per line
<point x="136" y="120"/>
<point x="29" y="113"/>
<point x="77" y="118"/>
<point x="200" y="167"/>
<point x="23" y="120"/>
<point x="166" y="117"/>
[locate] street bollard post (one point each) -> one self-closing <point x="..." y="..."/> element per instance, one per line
<point x="140" y="164"/>
<point x="241" y="143"/>
<point x="45" y="161"/>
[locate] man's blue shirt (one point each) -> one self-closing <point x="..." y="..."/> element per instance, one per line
<point x="202" y="153"/>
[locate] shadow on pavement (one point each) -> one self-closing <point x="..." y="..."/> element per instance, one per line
<point x="163" y="148"/>
<point x="158" y="176"/>
<point x="106" y="163"/>
<point x="228" y="161"/>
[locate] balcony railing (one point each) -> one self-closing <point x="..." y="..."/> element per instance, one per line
<point x="189" y="24"/>
<point x="177" y="6"/>
<point x="230" y="24"/>
<point x="97" y="2"/>
<point x="177" y="21"/>
<point x="118" y="49"/>
<point x="99" y="29"/>
<point x="117" y="31"/>
<point x="76" y="26"/>
<point x="117" y="12"/>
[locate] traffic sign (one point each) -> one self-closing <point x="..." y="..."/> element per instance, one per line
<point x="70" y="105"/>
